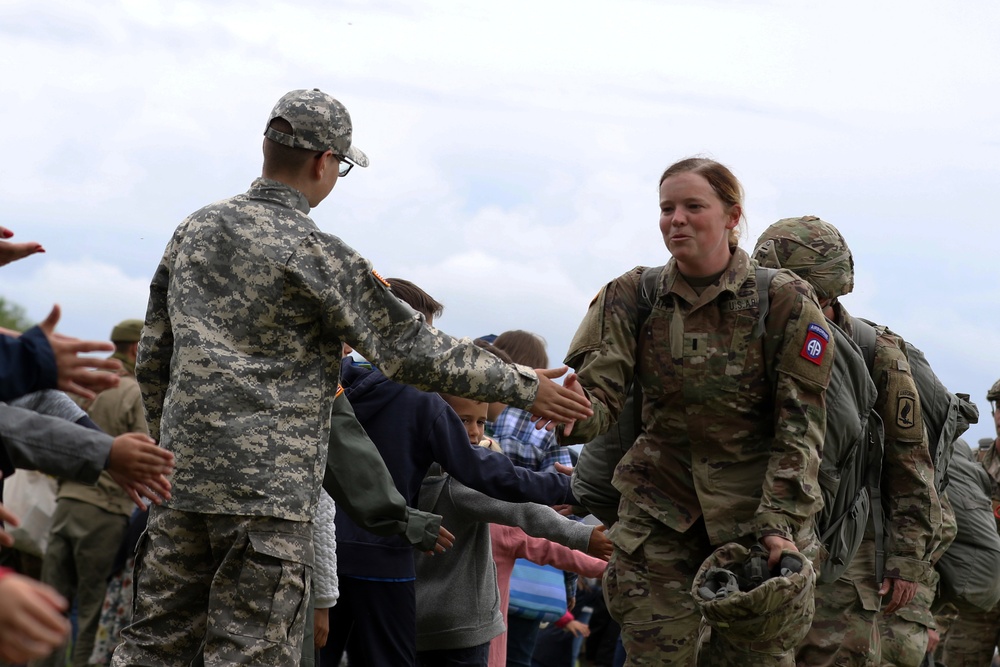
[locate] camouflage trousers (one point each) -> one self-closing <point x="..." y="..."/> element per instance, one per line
<point x="218" y="590"/>
<point x="647" y="586"/>
<point x="972" y="638"/>
<point x="904" y="633"/>
<point x="844" y="630"/>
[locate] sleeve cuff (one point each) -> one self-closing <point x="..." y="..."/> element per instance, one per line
<point x="908" y="569"/>
<point x="422" y="529"/>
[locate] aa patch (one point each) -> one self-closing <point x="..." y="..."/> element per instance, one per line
<point x="905" y="407"/>
<point x="814" y="349"/>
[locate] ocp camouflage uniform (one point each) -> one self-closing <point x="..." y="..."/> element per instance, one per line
<point x="732" y="430"/>
<point x="975" y="635"/>
<point x="905" y="633"/>
<point x="844" y="630"/>
<point x="238" y="365"/>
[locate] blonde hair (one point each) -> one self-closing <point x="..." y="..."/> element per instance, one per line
<point x="725" y="184"/>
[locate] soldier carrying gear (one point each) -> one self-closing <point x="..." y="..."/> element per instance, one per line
<point x="814" y="250"/>
<point x="753" y="622"/>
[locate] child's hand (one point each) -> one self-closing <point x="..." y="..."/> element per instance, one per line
<point x="74" y="372"/>
<point x="141" y="468"/>
<point x="32" y="624"/>
<point x="445" y="541"/>
<point x="600" y="546"/>
<point x="6" y="516"/>
<point x="577" y="629"/>
<point x="11" y="252"/>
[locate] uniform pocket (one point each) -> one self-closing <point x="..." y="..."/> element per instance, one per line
<point x="272" y="586"/>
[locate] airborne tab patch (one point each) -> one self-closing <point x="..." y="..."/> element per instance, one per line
<point x="814" y="347"/>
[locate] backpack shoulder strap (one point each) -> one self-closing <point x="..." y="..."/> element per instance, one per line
<point x="864" y="335"/>
<point x="763" y="275"/>
<point x="647" y="288"/>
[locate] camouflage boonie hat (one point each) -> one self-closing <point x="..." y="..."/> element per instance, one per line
<point x="994" y="393"/>
<point x="813" y="249"/>
<point x="771" y="619"/>
<point x="319" y="123"/>
<point x="127" y="331"/>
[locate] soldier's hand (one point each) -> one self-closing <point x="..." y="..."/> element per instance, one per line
<point x="75" y="372"/>
<point x="11" y="252"/>
<point x="6" y="516"/>
<point x="775" y="545"/>
<point x="600" y="546"/>
<point x="902" y="593"/>
<point x="555" y="404"/>
<point x="933" y="639"/>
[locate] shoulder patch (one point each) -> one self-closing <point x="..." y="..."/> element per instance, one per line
<point x="905" y="412"/>
<point x="379" y="278"/>
<point x="814" y="347"/>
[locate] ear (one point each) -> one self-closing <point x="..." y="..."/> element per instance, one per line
<point x="320" y="165"/>
<point x="734" y="214"/>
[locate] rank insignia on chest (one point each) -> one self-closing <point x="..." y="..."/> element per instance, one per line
<point x="814" y="347"/>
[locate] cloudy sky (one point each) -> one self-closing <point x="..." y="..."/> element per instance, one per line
<point x="516" y="146"/>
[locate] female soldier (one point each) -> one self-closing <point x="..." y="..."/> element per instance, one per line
<point x="732" y="416"/>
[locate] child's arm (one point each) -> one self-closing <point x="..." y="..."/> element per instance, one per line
<point x="545" y="552"/>
<point x="358" y="481"/>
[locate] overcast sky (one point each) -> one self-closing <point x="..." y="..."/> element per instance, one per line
<point x="516" y="146"/>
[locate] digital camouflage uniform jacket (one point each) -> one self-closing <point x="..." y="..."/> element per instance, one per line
<point x="913" y="509"/>
<point x="726" y="435"/>
<point x="240" y="352"/>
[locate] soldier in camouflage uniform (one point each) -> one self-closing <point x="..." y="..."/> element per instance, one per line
<point x="975" y="635"/>
<point x="238" y="366"/>
<point x="732" y="422"/>
<point x="844" y="630"/>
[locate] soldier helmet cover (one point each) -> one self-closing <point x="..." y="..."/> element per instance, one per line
<point x="774" y="614"/>
<point x="813" y="249"/>
<point x="993" y="394"/>
<point x="319" y="123"/>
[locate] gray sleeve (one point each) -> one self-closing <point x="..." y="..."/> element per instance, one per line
<point x="534" y="519"/>
<point x="326" y="587"/>
<point x="51" y="402"/>
<point x="52" y="445"/>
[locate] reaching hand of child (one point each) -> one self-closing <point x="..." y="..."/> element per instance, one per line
<point x="577" y="629"/>
<point x="600" y="546"/>
<point x="11" y="252"/>
<point x="321" y="627"/>
<point x="32" y="624"/>
<point x="6" y="516"/>
<point x="555" y="404"/>
<point x="75" y="373"/>
<point x="141" y="468"/>
<point x="445" y="541"/>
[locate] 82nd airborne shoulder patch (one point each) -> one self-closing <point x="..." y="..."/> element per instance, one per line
<point x="814" y="347"/>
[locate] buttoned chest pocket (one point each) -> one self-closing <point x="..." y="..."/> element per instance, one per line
<point x="723" y="357"/>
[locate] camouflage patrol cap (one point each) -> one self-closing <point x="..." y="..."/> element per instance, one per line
<point x="319" y="123"/>
<point x="773" y="616"/>
<point x="811" y="248"/>
<point x="127" y="331"/>
<point x="994" y="393"/>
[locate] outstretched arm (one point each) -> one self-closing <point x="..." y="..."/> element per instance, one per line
<point x="358" y="481"/>
<point x="11" y="252"/>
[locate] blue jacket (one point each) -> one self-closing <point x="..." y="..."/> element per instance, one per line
<point x="27" y="364"/>
<point x="413" y="429"/>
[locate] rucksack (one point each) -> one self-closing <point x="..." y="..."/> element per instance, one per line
<point x="969" y="567"/>
<point x="850" y="468"/>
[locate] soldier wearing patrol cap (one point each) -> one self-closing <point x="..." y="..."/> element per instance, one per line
<point x="844" y="630"/>
<point x="732" y="418"/>
<point x="238" y="365"/>
<point x="975" y="636"/>
<point x="90" y="521"/>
